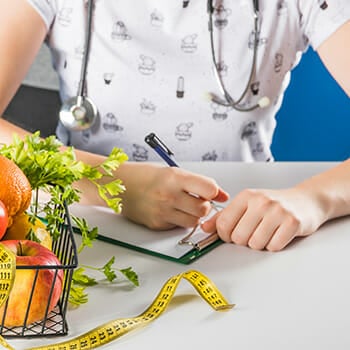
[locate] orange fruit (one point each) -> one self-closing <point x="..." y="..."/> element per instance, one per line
<point x="15" y="189"/>
<point x="21" y="227"/>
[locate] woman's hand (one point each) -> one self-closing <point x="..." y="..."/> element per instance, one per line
<point x="268" y="219"/>
<point x="164" y="197"/>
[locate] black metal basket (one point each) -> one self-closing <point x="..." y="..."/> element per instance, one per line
<point x="54" y="323"/>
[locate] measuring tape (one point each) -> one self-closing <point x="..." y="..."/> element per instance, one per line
<point x="7" y="276"/>
<point x="114" y="329"/>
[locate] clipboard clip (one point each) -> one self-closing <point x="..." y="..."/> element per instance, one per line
<point x="205" y="242"/>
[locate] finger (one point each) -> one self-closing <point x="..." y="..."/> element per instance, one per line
<point x="263" y="232"/>
<point x="284" y="234"/>
<point x="272" y="217"/>
<point x="201" y="186"/>
<point x="192" y="205"/>
<point x="222" y="196"/>
<point x="182" y="219"/>
<point x="172" y="219"/>
<point x="228" y="218"/>
<point x="209" y="225"/>
<point x="246" y="226"/>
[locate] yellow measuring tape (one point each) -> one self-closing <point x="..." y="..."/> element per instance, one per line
<point x="7" y="276"/>
<point x="116" y="328"/>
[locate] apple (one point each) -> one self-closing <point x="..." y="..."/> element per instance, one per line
<point x="30" y="253"/>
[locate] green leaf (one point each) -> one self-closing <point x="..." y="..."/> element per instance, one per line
<point x="88" y="235"/>
<point x="32" y="236"/>
<point x="131" y="275"/>
<point x="82" y="279"/>
<point x="108" y="271"/>
<point x="77" y="295"/>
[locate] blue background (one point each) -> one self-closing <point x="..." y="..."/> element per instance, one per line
<point x="314" y="118"/>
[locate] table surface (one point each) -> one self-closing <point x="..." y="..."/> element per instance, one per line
<point x="294" y="299"/>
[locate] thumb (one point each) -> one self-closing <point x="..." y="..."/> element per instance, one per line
<point x="209" y="226"/>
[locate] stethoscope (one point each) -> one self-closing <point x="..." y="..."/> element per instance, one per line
<point x="228" y="100"/>
<point x="79" y="112"/>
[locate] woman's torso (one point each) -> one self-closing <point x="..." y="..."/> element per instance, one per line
<point x="150" y="70"/>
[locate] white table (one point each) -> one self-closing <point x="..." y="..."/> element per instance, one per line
<point x="298" y="298"/>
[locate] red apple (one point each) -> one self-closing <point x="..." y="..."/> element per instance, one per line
<point x="30" y="253"/>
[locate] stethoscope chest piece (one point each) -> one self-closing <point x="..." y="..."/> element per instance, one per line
<point x="78" y="113"/>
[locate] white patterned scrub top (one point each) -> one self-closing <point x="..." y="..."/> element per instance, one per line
<point x="150" y="70"/>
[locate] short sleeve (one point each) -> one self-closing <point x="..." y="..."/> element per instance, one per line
<point x="321" y="18"/>
<point x="46" y="9"/>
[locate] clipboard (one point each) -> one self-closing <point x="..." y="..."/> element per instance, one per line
<point x="116" y="229"/>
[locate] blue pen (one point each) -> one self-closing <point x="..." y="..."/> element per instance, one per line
<point x="153" y="140"/>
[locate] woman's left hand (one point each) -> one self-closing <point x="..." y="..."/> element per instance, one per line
<point x="267" y="219"/>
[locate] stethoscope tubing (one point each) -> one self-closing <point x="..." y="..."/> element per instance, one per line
<point x="86" y="52"/>
<point x="229" y="101"/>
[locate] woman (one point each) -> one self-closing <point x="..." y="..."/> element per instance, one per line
<point x="150" y="69"/>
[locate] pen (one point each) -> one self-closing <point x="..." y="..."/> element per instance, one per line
<point x="154" y="141"/>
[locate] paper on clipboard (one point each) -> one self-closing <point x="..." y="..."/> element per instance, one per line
<point x="116" y="229"/>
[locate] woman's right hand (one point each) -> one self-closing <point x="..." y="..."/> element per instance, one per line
<point x="165" y="197"/>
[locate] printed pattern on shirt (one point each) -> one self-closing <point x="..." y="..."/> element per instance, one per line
<point x="150" y="70"/>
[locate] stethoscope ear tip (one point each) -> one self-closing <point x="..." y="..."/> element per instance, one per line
<point x="264" y="102"/>
<point x="208" y="96"/>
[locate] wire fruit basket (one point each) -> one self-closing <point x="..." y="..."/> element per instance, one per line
<point x="54" y="322"/>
